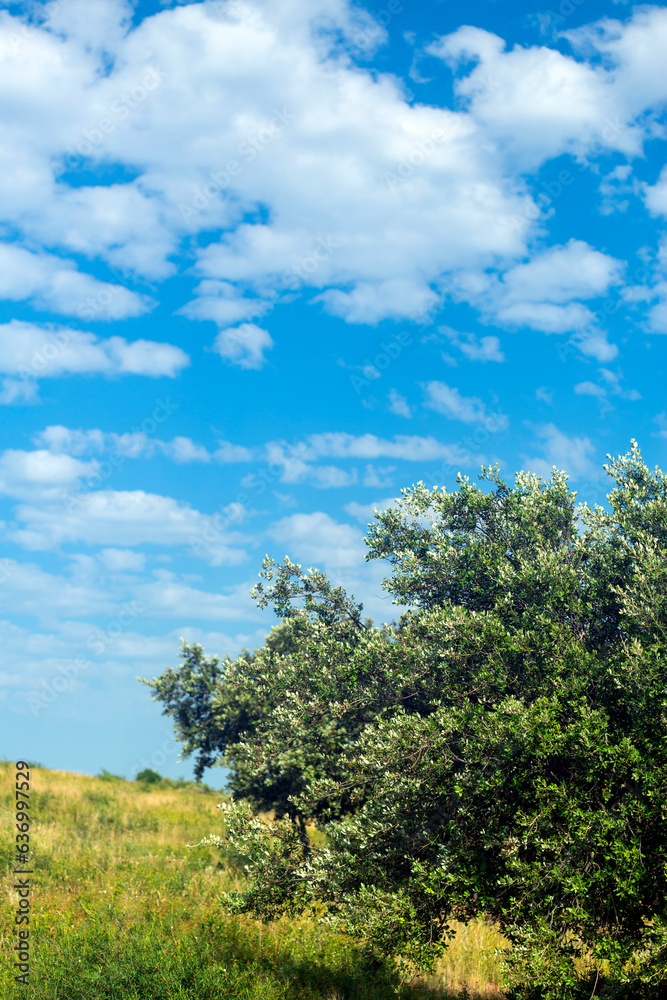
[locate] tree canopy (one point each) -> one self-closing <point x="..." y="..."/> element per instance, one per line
<point x="500" y="749"/>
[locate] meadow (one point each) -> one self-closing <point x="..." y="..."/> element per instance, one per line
<point x="122" y="908"/>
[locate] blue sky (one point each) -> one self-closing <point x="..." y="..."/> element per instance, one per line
<point x="264" y="264"/>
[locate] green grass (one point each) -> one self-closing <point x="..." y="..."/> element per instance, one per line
<point x="121" y="908"/>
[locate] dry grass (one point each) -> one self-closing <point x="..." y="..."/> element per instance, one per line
<point x="122" y="908"/>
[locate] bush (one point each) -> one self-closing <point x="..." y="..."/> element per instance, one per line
<point x="149" y="777"/>
<point x="105" y="775"/>
<point x="500" y="750"/>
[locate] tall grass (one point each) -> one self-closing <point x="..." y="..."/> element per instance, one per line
<point x="121" y="908"/>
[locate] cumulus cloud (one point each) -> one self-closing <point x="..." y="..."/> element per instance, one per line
<point x="121" y="560"/>
<point x="399" y="405"/>
<point x="244" y="345"/>
<point x="317" y="540"/>
<point x="543" y="292"/>
<point x="364" y="512"/>
<point x="29" y="353"/>
<point x="315" y="145"/>
<point x="50" y="282"/>
<point x="570" y="454"/>
<point x="325" y="178"/>
<point x="539" y="103"/>
<point x="27" y="589"/>
<point x="320" y="541"/>
<point x="562" y="273"/>
<point x="43" y="475"/>
<point x="473" y="347"/>
<point x="128" y="518"/>
<point x="168" y="597"/>
<point x="448" y="400"/>
<point x="589" y="389"/>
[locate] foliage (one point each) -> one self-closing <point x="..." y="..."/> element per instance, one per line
<point x="501" y="750"/>
<point x="105" y="775"/>
<point x="149" y="776"/>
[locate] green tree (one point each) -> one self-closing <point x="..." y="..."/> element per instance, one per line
<point x="501" y="750"/>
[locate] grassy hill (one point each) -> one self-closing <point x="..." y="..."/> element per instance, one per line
<point x="121" y="908"/>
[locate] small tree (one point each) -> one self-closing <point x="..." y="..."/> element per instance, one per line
<point x="148" y="777"/>
<point x="502" y="750"/>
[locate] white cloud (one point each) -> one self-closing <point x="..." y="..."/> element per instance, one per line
<point x="594" y="344"/>
<point x="31" y="352"/>
<point x="562" y="273"/>
<point x="411" y="448"/>
<point x="169" y="597"/>
<point x="16" y="391"/>
<point x="132" y="444"/>
<point x="315" y="146"/>
<point x="319" y="541"/>
<point x="40" y="475"/>
<point x="353" y="183"/>
<point x="589" y="389"/>
<point x="399" y="405"/>
<point x="27" y="589"/>
<point x="52" y="283"/>
<point x="538" y="103"/>
<point x="363" y="512"/>
<point x="183" y="449"/>
<point x="121" y="223"/>
<point x="542" y="293"/>
<point x="228" y="452"/>
<point x="474" y="348"/>
<point x="656" y="195"/>
<point x="328" y="477"/>
<point x="122" y="560"/>
<point x="128" y="518"/>
<point x="297" y="459"/>
<point x="448" y="400"/>
<point x="633" y="52"/>
<point x="486" y="349"/>
<point x="545" y="317"/>
<point x="657" y="314"/>
<point x="369" y="302"/>
<point x="613" y="381"/>
<point x="379" y="475"/>
<point x="570" y="454"/>
<point x="244" y="346"/>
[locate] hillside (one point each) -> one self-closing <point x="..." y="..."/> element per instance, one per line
<point x="122" y="908"/>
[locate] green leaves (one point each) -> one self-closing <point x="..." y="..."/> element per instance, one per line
<point x="499" y="750"/>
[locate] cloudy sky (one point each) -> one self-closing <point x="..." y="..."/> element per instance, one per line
<point x="263" y="263"/>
